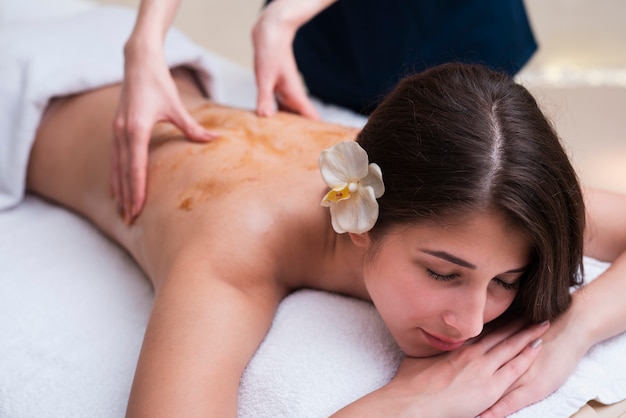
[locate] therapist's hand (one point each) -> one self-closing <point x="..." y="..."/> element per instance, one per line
<point x="149" y="95"/>
<point x="277" y="77"/>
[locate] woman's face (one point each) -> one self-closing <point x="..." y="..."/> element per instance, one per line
<point x="436" y="285"/>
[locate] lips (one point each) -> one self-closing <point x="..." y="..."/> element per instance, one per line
<point x="441" y="343"/>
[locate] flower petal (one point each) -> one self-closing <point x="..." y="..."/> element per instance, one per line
<point x="357" y="214"/>
<point x="335" y="215"/>
<point x="344" y="215"/>
<point x="342" y="163"/>
<point x="374" y="179"/>
<point x="367" y="214"/>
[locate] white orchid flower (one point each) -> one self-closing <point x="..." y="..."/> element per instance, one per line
<point x="355" y="185"/>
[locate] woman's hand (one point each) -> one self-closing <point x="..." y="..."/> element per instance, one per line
<point x="461" y="383"/>
<point x="562" y="349"/>
<point x="275" y="68"/>
<point x="149" y="95"/>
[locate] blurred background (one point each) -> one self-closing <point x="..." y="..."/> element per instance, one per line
<point x="578" y="73"/>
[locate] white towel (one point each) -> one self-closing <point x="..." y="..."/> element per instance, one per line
<point x="74" y="306"/>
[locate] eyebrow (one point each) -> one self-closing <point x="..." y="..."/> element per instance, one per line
<point x="451" y="258"/>
<point x="460" y="262"/>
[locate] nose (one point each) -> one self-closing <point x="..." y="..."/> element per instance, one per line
<point x="466" y="313"/>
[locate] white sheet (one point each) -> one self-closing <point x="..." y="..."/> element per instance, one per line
<point x="73" y="309"/>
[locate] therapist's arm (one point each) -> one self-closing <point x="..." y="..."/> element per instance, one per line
<point x="277" y="75"/>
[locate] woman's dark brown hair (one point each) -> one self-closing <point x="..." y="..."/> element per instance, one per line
<point x="460" y="138"/>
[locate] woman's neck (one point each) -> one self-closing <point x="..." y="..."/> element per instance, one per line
<point x="339" y="266"/>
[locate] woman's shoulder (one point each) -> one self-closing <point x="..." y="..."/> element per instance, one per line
<point x="255" y="242"/>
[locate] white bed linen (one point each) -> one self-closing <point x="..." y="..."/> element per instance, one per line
<point x="74" y="306"/>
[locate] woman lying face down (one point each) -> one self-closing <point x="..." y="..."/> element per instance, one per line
<point x="455" y="205"/>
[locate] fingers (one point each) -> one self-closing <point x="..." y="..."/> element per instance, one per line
<point x="134" y="178"/>
<point x="190" y="127"/>
<point x="114" y="178"/>
<point x="509" y="403"/>
<point x="285" y="88"/>
<point x="297" y="102"/>
<point x="291" y="99"/>
<point x="519" y="364"/>
<point x="510" y="359"/>
<point x="129" y="162"/>
<point x="494" y="336"/>
<point x="517" y="341"/>
<point x="292" y="95"/>
<point x="265" y="104"/>
<point x="129" y="166"/>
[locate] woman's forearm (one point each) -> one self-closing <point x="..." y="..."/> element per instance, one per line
<point x="293" y="13"/>
<point x="153" y="21"/>
<point x="599" y="306"/>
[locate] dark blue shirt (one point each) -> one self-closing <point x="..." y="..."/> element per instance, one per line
<point x="355" y="51"/>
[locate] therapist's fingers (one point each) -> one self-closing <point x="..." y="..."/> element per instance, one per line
<point x="181" y="118"/>
<point x="134" y="168"/>
<point x="114" y="178"/>
<point x="280" y="83"/>
<point x="265" y="81"/>
<point x="292" y="97"/>
<point x="115" y="173"/>
<point x="130" y="161"/>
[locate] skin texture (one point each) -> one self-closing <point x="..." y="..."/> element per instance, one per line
<point x="233" y="225"/>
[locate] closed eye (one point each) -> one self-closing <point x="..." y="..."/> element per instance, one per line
<point x="506" y="285"/>
<point x="441" y="277"/>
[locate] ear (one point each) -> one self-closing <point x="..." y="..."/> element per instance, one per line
<point x="361" y="240"/>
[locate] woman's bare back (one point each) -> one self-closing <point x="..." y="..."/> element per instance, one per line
<point x="248" y="191"/>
